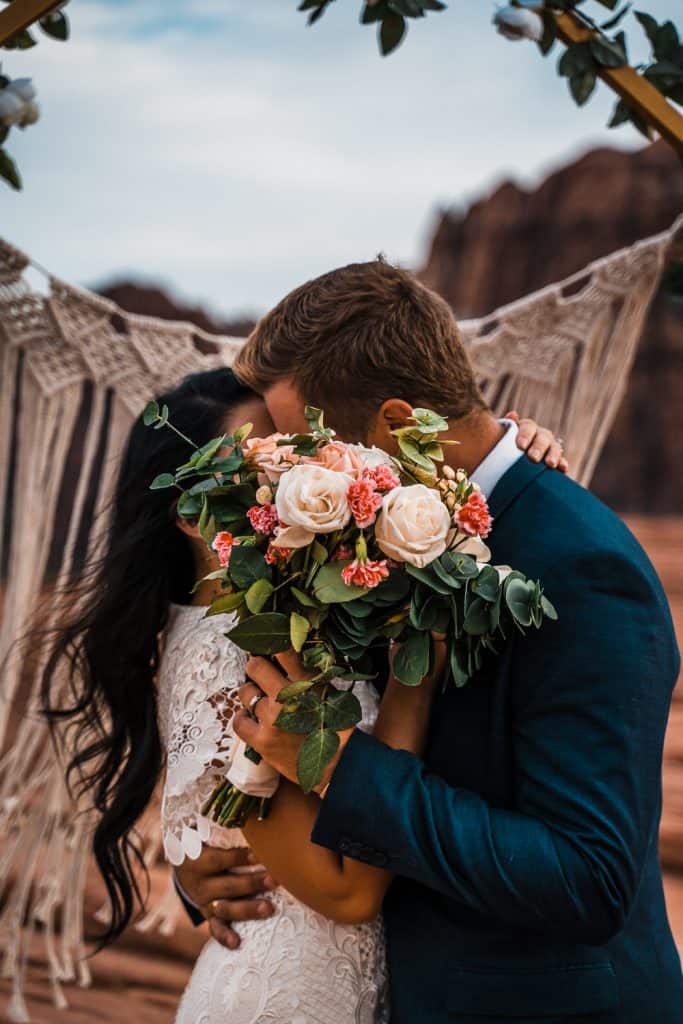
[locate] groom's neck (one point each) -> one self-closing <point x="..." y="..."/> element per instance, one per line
<point x="477" y="435"/>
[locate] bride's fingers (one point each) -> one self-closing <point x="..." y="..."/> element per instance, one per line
<point x="250" y="695"/>
<point x="266" y="675"/>
<point x="293" y="666"/>
<point x="242" y="910"/>
<point x="223" y="933"/>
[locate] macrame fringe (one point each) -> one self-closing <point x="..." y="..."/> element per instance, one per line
<point x="74" y="372"/>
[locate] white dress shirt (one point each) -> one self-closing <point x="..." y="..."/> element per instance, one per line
<point x="496" y="464"/>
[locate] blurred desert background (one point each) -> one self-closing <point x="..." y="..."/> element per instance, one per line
<point x="198" y="158"/>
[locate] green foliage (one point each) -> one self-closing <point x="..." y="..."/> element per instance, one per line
<point x="329" y="587"/>
<point x="247" y="565"/>
<point x="315" y="753"/>
<point x="264" y="634"/>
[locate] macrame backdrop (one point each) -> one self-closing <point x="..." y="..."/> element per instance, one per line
<point x="76" y="370"/>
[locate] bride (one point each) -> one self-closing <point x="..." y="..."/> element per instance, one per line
<point x="155" y="681"/>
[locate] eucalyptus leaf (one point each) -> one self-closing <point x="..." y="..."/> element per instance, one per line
<point x="478" y="618"/>
<point x="458" y="664"/>
<point x="518" y="597"/>
<point x="161" y="482"/>
<point x="150" y="413"/>
<point x="487" y="584"/>
<point x="411" y="661"/>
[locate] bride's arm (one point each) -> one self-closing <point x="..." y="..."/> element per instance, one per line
<point x="340" y="888"/>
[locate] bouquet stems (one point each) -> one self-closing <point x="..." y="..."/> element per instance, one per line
<point x="230" y="807"/>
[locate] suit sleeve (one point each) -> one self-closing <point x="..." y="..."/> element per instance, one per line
<point x="194" y="913"/>
<point x="591" y="697"/>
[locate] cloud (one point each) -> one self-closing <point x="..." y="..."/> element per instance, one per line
<point x="227" y="149"/>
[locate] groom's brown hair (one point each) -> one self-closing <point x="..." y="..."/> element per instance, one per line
<point x="357" y="336"/>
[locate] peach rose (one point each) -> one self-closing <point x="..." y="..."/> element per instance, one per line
<point x="271" y="459"/>
<point x="340" y="458"/>
<point x="311" y="499"/>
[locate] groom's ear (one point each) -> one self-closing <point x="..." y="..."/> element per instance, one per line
<point x="392" y="414"/>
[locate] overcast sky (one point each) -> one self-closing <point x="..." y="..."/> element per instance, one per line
<point x="227" y="151"/>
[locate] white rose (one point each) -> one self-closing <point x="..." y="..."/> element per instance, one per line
<point x="472" y="546"/>
<point x="311" y="499"/>
<point x="23" y="88"/>
<point x="514" y="23"/>
<point x="11" y="107"/>
<point x="413" y="525"/>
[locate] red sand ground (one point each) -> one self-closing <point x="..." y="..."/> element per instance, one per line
<point x="141" y="978"/>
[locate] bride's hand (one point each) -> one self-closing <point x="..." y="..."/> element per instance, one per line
<point x="405" y="710"/>
<point x="539" y="443"/>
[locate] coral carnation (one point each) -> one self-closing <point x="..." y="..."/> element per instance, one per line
<point x="363" y="502"/>
<point x="365" y="574"/>
<point x="474" y="517"/>
<point x="223" y="544"/>
<point x="274" y="554"/>
<point x="383" y="477"/>
<point x="263" y="518"/>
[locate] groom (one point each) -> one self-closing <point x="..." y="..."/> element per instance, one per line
<point x="528" y="886"/>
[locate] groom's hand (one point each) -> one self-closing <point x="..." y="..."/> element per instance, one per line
<point x="222" y="896"/>
<point x="277" y="747"/>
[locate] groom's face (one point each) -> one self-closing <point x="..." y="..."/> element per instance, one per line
<point x="286" y="404"/>
<point x="286" y="407"/>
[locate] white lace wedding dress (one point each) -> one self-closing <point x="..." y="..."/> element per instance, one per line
<point x="295" y="967"/>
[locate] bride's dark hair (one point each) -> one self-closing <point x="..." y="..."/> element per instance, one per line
<point x="111" y="646"/>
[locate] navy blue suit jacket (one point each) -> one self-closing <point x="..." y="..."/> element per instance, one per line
<point x="528" y="885"/>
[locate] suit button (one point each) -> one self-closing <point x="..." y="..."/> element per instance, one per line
<point x="354" y="850"/>
<point x="379" y="859"/>
<point x="344" y="846"/>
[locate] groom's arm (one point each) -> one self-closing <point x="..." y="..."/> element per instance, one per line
<point x="591" y="702"/>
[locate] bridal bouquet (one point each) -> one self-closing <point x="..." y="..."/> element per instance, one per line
<point x="333" y="549"/>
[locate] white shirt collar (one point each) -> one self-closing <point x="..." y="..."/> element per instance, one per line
<point x="496" y="464"/>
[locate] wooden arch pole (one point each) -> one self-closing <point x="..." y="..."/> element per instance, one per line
<point x="633" y="89"/>
<point x="19" y="14"/>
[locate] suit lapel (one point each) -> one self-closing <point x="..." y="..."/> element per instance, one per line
<point x="511" y="485"/>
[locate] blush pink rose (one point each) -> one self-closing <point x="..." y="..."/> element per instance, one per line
<point x="340" y="458"/>
<point x="474" y="518"/>
<point x="263" y="518"/>
<point x="365" y="574"/>
<point x="222" y="544"/>
<point x="265" y="455"/>
<point x="364" y="502"/>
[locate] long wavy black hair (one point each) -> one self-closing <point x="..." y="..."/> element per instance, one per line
<point x="111" y="646"/>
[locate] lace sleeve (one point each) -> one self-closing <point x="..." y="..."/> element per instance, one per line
<point x="200" y="672"/>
